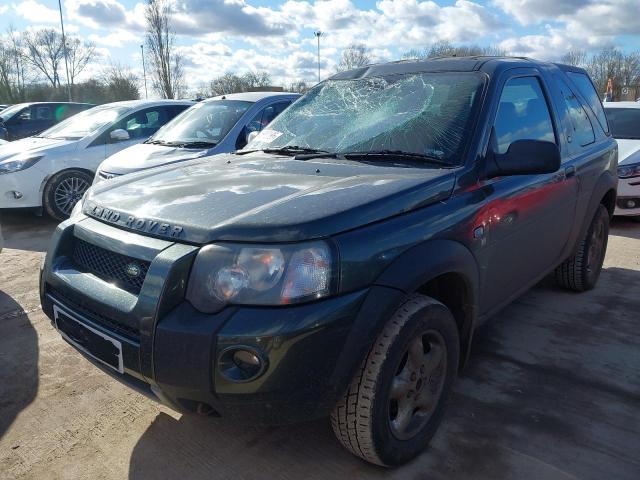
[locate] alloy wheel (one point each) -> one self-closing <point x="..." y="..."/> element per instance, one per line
<point x="418" y="384"/>
<point x="68" y="193"/>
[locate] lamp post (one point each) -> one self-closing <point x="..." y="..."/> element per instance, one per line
<point x="144" y="72"/>
<point x="318" y="34"/>
<point x="64" y="49"/>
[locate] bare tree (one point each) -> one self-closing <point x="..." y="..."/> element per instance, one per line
<point x="610" y="63"/>
<point x="44" y="52"/>
<point x="256" y="79"/>
<point x="225" y="84"/>
<point x="233" y="83"/>
<point x="577" y="58"/>
<point x="299" y="86"/>
<point x="354" y="56"/>
<point x="166" y="66"/>
<point x="120" y="83"/>
<point x="447" y="49"/>
<point x="79" y="55"/>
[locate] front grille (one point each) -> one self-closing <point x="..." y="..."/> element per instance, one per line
<point x="77" y="304"/>
<point x="126" y="272"/>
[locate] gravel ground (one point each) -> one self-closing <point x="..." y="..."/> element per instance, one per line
<point x="552" y="391"/>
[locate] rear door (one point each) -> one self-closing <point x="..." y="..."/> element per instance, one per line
<point x="528" y="218"/>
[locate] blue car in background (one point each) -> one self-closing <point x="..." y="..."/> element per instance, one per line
<point x="220" y="124"/>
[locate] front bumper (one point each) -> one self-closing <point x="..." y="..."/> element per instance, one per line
<point x="628" y="201"/>
<point x="22" y="189"/>
<point x="172" y="352"/>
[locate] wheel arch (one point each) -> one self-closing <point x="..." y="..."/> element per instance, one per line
<point x="446" y="271"/>
<point x="604" y="193"/>
<point x="48" y="178"/>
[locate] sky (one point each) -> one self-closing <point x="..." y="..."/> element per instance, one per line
<point x="218" y="36"/>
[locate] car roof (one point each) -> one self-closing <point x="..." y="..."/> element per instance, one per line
<point x="621" y="104"/>
<point x="149" y="103"/>
<point x="26" y="104"/>
<point x="487" y="64"/>
<point x="252" y="96"/>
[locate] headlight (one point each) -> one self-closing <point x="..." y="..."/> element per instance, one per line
<point x="628" y="171"/>
<point x="260" y="275"/>
<point x="16" y="164"/>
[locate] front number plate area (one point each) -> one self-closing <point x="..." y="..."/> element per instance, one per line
<point x="94" y="343"/>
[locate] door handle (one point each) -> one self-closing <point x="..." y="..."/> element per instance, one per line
<point x="570" y="171"/>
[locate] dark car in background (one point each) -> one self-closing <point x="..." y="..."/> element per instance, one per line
<point x="27" y="119"/>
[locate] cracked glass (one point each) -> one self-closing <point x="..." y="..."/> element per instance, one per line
<point x="423" y="113"/>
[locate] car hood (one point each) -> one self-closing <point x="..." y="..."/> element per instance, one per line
<point x="263" y="198"/>
<point x="628" y="151"/>
<point x="32" y="145"/>
<point x="146" y="155"/>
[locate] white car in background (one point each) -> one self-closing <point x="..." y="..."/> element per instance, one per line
<point x="624" y="122"/>
<point x="220" y="124"/>
<point x="55" y="168"/>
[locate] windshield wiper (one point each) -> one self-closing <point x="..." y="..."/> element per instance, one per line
<point x="192" y="144"/>
<point x="290" y="150"/>
<point x="394" y="154"/>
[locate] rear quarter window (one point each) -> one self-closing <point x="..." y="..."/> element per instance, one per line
<point x="588" y="91"/>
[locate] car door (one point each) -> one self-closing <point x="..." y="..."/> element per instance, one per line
<point x="260" y="120"/>
<point x="528" y="218"/>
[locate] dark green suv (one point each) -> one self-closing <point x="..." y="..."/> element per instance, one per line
<point x="340" y="263"/>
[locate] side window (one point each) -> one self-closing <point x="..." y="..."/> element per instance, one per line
<point x="582" y="133"/>
<point x="586" y="88"/>
<point x="143" y="124"/>
<point x="272" y="111"/>
<point x="23" y="116"/>
<point x="523" y="114"/>
<point x="41" y="112"/>
<point x="256" y="123"/>
<point x="175" y="110"/>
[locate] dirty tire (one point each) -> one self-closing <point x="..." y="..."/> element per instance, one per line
<point x="581" y="271"/>
<point x="363" y="419"/>
<point x="70" y="183"/>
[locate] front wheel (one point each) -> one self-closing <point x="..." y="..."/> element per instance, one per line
<point x="397" y="398"/>
<point x="63" y="191"/>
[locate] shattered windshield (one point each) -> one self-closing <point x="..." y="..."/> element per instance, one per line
<point x="424" y="113"/>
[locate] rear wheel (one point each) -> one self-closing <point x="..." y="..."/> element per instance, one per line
<point x="396" y="400"/>
<point x="63" y="191"/>
<point x="581" y="271"/>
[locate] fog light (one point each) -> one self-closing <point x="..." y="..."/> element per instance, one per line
<point x="241" y="364"/>
<point x="17" y="195"/>
<point x="631" y="203"/>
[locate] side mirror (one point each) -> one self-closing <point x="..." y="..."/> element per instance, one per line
<point x="525" y="157"/>
<point x="252" y="135"/>
<point x="119" y="135"/>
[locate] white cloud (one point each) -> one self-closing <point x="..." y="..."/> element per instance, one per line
<point x="36" y="12"/>
<point x="115" y="39"/>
